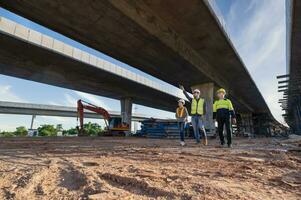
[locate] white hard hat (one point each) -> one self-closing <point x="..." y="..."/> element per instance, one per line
<point x="182" y="101"/>
<point x="196" y="90"/>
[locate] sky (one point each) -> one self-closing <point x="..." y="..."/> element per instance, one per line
<point x="257" y="30"/>
<point x="255" y="27"/>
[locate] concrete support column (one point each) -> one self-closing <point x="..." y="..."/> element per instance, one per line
<point x="32" y="121"/>
<point x="207" y="92"/>
<point x="126" y="111"/>
<point x="251" y="124"/>
<point x="297" y="119"/>
<point x="247" y="124"/>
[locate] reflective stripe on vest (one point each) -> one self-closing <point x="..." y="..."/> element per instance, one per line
<point x="197" y="106"/>
<point x="222" y="104"/>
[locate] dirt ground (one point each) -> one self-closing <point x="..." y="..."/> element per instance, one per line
<point x="132" y="168"/>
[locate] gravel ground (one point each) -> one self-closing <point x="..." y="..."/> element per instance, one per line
<point x="137" y="168"/>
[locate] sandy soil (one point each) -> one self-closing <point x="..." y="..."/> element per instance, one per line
<point x="119" y="168"/>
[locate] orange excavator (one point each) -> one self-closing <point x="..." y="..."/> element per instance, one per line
<point x="114" y="125"/>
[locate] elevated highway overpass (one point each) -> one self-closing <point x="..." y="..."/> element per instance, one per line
<point x="28" y="54"/>
<point x="17" y="108"/>
<point x="179" y="42"/>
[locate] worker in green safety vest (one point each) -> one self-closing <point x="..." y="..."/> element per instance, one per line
<point x="198" y="110"/>
<point x="223" y="112"/>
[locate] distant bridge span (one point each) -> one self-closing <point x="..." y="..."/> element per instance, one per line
<point x="54" y="110"/>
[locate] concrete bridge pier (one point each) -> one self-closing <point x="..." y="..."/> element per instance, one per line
<point x="32" y="121"/>
<point x="262" y="124"/>
<point x="246" y="125"/>
<point x="126" y="111"/>
<point x="297" y="117"/>
<point x="207" y="92"/>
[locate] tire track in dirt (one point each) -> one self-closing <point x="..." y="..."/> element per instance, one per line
<point x="138" y="187"/>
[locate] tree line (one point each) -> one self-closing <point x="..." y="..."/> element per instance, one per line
<point x="92" y="129"/>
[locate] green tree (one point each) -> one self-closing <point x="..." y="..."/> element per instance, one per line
<point x="21" y="131"/>
<point x="71" y="131"/>
<point x="7" y="134"/>
<point x="92" y="128"/>
<point x="47" y="130"/>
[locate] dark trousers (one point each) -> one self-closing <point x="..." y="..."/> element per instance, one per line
<point x="220" y="125"/>
<point x="182" y="130"/>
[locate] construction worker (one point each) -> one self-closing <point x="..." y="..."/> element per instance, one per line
<point x="223" y="112"/>
<point x="182" y="118"/>
<point x="198" y="110"/>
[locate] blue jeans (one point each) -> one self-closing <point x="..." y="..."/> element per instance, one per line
<point x="182" y="130"/>
<point x="198" y="125"/>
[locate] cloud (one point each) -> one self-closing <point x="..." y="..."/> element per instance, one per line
<point x="6" y="94"/>
<point x="10" y="122"/>
<point x="70" y="101"/>
<point x="92" y="99"/>
<point x="56" y="119"/>
<point x="257" y="30"/>
<point x="251" y="6"/>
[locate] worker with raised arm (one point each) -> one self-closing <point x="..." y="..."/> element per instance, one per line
<point x="198" y="110"/>
<point x="223" y="112"/>
<point x="182" y="118"/>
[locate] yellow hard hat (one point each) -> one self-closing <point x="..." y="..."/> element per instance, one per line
<point x="221" y="90"/>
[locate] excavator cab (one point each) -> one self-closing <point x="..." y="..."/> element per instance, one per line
<point x="116" y="126"/>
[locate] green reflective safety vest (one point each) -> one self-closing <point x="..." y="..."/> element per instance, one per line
<point x="197" y="106"/>
<point x="222" y="104"/>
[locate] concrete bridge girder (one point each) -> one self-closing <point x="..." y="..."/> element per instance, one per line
<point x="142" y="14"/>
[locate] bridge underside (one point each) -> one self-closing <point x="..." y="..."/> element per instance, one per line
<point x="179" y="42"/>
<point x="24" y="60"/>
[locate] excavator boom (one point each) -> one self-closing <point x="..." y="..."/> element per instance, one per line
<point x="82" y="105"/>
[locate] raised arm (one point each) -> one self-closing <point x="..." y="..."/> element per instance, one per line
<point x="185" y="93"/>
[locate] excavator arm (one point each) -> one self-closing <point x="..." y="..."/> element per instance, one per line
<point x="82" y="105"/>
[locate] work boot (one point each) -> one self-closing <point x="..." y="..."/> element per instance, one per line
<point x="205" y="142"/>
